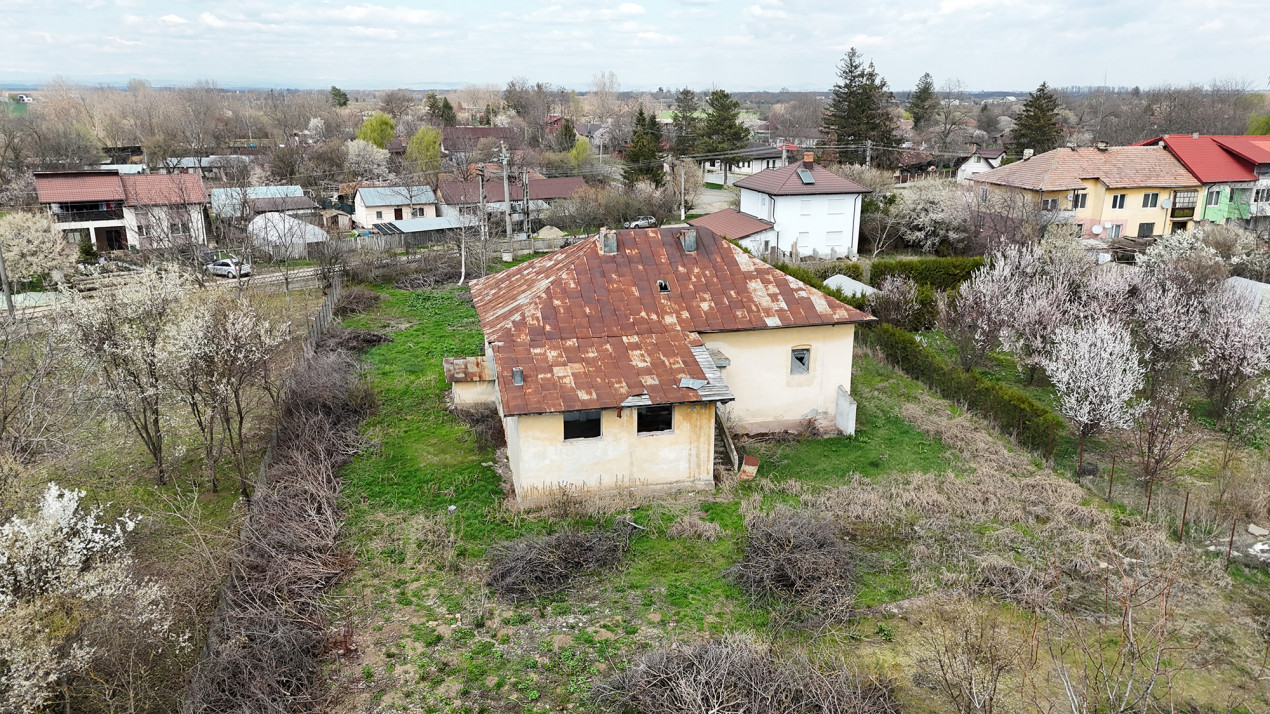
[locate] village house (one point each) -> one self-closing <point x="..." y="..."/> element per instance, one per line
<point x="1235" y="172"/>
<point x="1109" y="193"/>
<point x="247" y="201"/>
<point x="466" y="195"/>
<point x="748" y="161"/>
<point x="979" y="161"/>
<point x="118" y="212"/>
<point x="373" y="205"/>
<point x="813" y="211"/>
<point x="609" y="360"/>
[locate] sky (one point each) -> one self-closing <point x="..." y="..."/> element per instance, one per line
<point x="739" y="45"/>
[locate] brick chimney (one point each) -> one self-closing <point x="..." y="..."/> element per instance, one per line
<point x="808" y="159"/>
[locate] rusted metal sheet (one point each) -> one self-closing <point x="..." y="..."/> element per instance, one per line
<point x="468" y="369"/>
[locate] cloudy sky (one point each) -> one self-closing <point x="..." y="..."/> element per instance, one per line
<point x="733" y="44"/>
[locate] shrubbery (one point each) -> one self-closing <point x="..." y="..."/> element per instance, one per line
<point x="938" y="273"/>
<point x="1011" y="409"/>
<point x="534" y="566"/>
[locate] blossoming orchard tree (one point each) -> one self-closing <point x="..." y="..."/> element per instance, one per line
<point x="1096" y="371"/>
<point x="1234" y="346"/>
<point x="68" y="590"/>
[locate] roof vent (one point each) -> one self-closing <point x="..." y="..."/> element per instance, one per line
<point x="1195" y="135"/>
<point x="808" y="159"/>
<point x="1028" y="153"/>
<point x="663" y="286"/>
<point x="1101" y="145"/>
<point x="518" y="376"/>
<point x="689" y="238"/>
<point x="608" y="242"/>
<point x="1071" y="145"/>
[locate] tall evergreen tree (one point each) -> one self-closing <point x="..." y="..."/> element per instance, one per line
<point x="338" y="96"/>
<point x="860" y="112"/>
<point x="684" y="122"/>
<point x="566" y="136"/>
<point x="447" y="115"/>
<point x="923" y="103"/>
<point x="643" y="152"/>
<point x="1037" y="125"/>
<point x="721" y="131"/>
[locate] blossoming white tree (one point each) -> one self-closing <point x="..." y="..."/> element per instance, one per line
<point x="67" y="586"/>
<point x="364" y="161"/>
<point x="1234" y="345"/>
<point x="123" y="339"/>
<point x="1096" y="372"/>
<point x="32" y="246"/>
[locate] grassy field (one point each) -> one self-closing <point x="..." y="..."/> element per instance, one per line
<point x="425" y="504"/>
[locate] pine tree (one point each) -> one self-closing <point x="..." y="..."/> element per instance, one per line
<point x="447" y="115"/>
<point x="923" y="103"/>
<point x="1037" y="126"/>
<point x="860" y="112"/>
<point x="566" y="136"/>
<point x="338" y="97"/>
<point x="684" y="122"/>
<point x="721" y="131"/>
<point x="643" y="152"/>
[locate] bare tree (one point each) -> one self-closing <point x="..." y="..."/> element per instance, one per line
<point x="1161" y="438"/>
<point x="968" y="648"/>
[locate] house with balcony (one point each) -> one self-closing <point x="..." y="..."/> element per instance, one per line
<point x="1228" y="177"/>
<point x="1254" y="151"/>
<point x="121" y="212"/>
<point x="1111" y="193"/>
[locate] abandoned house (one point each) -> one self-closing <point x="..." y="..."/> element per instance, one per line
<point x="609" y="360"/>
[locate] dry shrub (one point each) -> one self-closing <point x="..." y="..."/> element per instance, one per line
<point x="268" y="638"/>
<point x="737" y="674"/>
<point x="433" y="268"/>
<point x="354" y="300"/>
<point x="793" y="559"/>
<point x="967" y="649"/>
<point x="485" y="423"/>
<point x="694" y="525"/>
<point x="531" y="567"/>
<point x="349" y="340"/>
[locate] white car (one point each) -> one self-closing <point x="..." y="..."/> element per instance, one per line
<point x="229" y="268"/>
<point x="641" y="222"/>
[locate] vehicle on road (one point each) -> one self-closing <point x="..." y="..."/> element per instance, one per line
<point x="641" y="222"/>
<point x="229" y="268"/>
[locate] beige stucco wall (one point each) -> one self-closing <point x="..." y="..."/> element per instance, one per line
<point x="542" y="461"/>
<point x="768" y="397"/>
<point x="467" y="393"/>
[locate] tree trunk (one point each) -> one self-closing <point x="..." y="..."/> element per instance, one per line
<point x="1150" y="493"/>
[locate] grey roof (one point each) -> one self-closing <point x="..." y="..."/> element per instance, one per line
<point x="396" y="195"/>
<point x="849" y="286"/>
<point x="419" y="225"/>
<point x="281" y="229"/>
<point x="1258" y="291"/>
<point x="711" y="389"/>
<point x="231" y="201"/>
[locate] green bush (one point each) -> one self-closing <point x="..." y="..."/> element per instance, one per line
<point x="828" y="269"/>
<point x="1012" y="410"/>
<point x="938" y="273"/>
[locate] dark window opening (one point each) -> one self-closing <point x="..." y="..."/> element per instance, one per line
<point x="1146" y="230"/>
<point x="800" y="361"/>
<point x="663" y="286"/>
<point x="653" y="419"/>
<point x="582" y="425"/>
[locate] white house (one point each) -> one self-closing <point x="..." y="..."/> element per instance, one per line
<point x="114" y="212"/>
<point x="979" y="161"/>
<point x="813" y="211"/>
<point x="393" y="203"/>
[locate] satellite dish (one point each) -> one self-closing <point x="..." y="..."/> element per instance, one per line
<point x="1166" y="203"/>
<point x="1096" y="229"/>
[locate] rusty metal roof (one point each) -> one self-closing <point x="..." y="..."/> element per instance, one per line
<point x="591" y="326"/>
<point x="468" y="369"/>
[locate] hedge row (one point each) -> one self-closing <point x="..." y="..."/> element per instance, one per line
<point x="939" y="273"/>
<point x="1010" y="409"/>
<point x="828" y="269"/>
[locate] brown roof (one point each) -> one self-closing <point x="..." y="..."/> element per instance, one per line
<point x="281" y="203"/>
<point x="468" y="192"/>
<point x="592" y="330"/>
<point x="1116" y="166"/>
<point x="163" y="189"/>
<point x="786" y="182"/>
<point x="731" y="223"/>
<point x="473" y="134"/>
<point x="73" y="186"/>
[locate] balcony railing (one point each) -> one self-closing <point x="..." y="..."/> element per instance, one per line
<point x="115" y="214"/>
<point x="1182" y="212"/>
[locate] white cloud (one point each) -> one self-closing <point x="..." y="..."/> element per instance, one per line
<point x="211" y="20"/>
<point x="173" y="19"/>
<point x="630" y="8"/>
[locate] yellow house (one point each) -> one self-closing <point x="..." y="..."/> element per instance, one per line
<point x="608" y="360"/>
<point x="1109" y="192"/>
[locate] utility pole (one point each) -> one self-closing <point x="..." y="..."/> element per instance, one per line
<point x="4" y="280"/>
<point x="507" y="199"/>
<point x="524" y="189"/>
<point x="484" y="216"/>
<point x="868" y="152"/>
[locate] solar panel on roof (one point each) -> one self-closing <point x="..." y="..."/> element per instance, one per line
<point x="805" y="176"/>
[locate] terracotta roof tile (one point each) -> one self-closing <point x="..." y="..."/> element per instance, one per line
<point x="1116" y="166"/>
<point x="163" y="189"/>
<point x="731" y="223"/>
<point x="75" y="186"/>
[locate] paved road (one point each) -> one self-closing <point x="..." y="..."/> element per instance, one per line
<point x="713" y="199"/>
